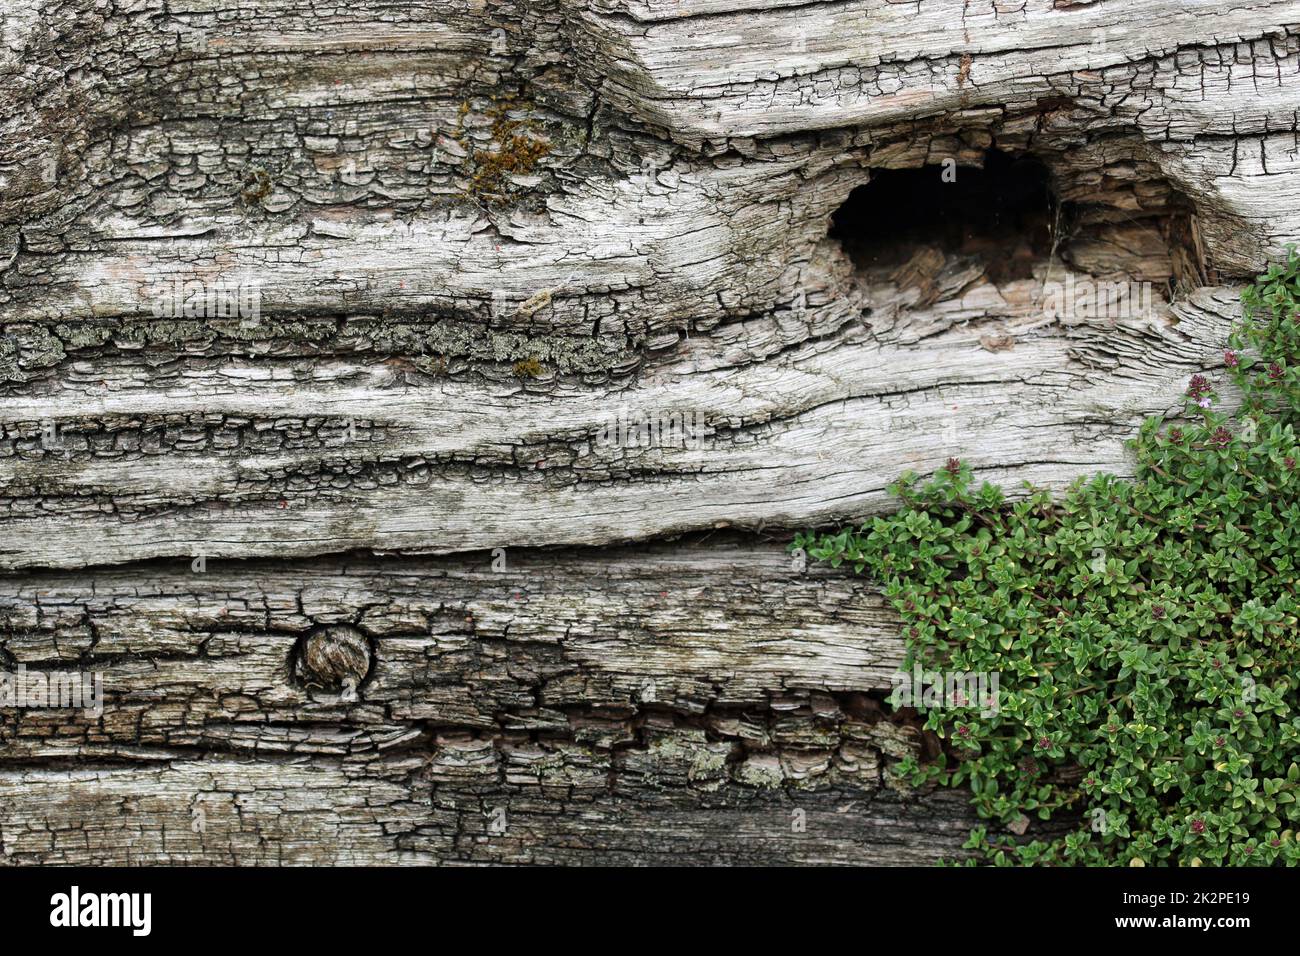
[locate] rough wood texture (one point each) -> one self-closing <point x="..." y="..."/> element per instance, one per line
<point x="470" y="235"/>
<point x="669" y="703"/>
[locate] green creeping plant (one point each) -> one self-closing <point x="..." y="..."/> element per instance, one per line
<point x="1143" y="631"/>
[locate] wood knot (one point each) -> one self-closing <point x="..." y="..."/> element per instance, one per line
<point x="335" y="657"/>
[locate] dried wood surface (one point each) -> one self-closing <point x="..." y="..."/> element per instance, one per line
<point x="448" y="316"/>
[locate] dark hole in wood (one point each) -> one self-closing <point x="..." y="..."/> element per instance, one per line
<point x="1003" y="214"/>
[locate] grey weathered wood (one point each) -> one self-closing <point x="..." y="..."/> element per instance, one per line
<point x="814" y="433"/>
<point x="669" y="251"/>
<point x="629" y="705"/>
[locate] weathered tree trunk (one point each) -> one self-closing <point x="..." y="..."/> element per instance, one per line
<point x="322" y="335"/>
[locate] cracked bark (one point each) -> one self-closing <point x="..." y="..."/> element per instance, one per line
<point x="450" y="313"/>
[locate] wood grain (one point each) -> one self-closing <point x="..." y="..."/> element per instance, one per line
<point x="476" y="233"/>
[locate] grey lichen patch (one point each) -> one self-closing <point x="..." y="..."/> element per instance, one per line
<point x="685" y="755"/>
<point x="294" y="330"/>
<point x="433" y="344"/>
<point x="9" y="369"/>
<point x="23" y="349"/>
<point x="83" y="335"/>
<point x="451" y="338"/>
<point x="175" y="333"/>
<point x="761" y="770"/>
<point x="709" y="766"/>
